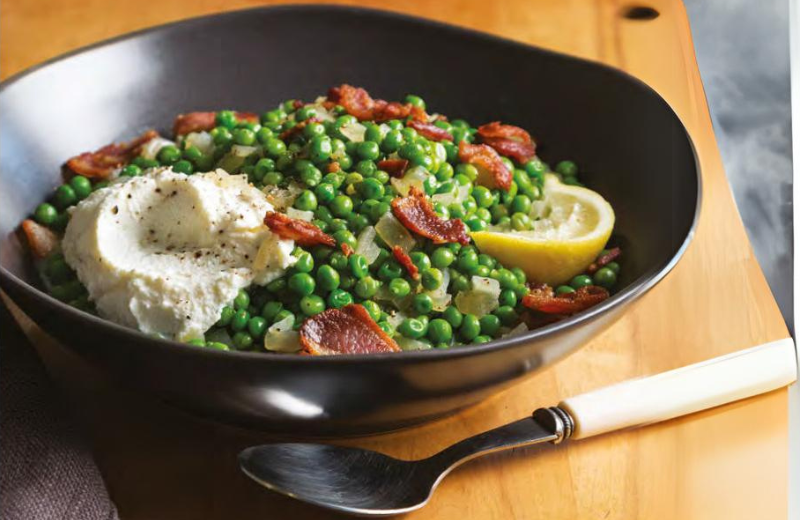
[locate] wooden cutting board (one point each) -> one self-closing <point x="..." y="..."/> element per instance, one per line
<point x="729" y="463"/>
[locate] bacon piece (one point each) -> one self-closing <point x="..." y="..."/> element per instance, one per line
<point x="202" y="121"/>
<point x="604" y="260"/>
<point x="430" y="131"/>
<point x="333" y="167"/>
<point x="543" y="299"/>
<point x="357" y="102"/>
<point x="346" y="249"/>
<point x="286" y="134"/>
<point x="349" y="330"/>
<point x="394" y="167"/>
<point x="417" y="214"/>
<point x="511" y="141"/>
<point x="402" y="257"/>
<point x="41" y="240"/>
<point x="100" y="164"/>
<point x="303" y="233"/>
<point x="297" y="104"/>
<point x="492" y="172"/>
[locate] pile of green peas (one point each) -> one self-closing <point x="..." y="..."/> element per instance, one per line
<point x="344" y="200"/>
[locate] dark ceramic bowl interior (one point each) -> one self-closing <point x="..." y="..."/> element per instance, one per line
<point x="631" y="147"/>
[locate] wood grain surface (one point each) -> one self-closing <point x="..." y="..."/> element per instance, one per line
<point x="729" y="463"/>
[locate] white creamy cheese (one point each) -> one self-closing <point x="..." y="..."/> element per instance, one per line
<point x="164" y="252"/>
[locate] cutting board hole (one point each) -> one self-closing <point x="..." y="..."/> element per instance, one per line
<point x="639" y="13"/>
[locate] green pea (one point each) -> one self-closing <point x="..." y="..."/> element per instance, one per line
<point x="387" y="328"/>
<point x="399" y="288"/>
<point x="325" y="193"/>
<point x="411" y="328"/>
<point x="65" y="196"/>
<point x="521" y="222"/>
<point x="338" y="298"/>
<point x="371" y="189"/>
<point x="346" y="281"/>
<point x="503" y="222"/>
<point x="605" y="277"/>
<point x="564" y="289"/>
<point x="197" y="342"/>
<point x="483" y="196"/>
<point x="270" y="310"/>
<point x="168" y="155"/>
<point x="520" y="204"/>
<point x="367" y="287"/>
<point x="345" y="237"/>
<point x="445" y="172"/>
<point x="378" y="211"/>
<point x="81" y="186"/>
<point x="456" y="210"/>
<point x="432" y="279"/>
<point x="440" y="331"/>
<point x="239" y="320"/>
<point x="508" y="298"/>
<point x="339" y="261"/>
<point x="131" y="170"/>
<point x="415" y="100"/>
<point x="312" y="305"/>
<point x="483" y="271"/>
<point x="368" y="150"/>
<point x="567" y="168"/>
<point x="277" y="286"/>
<point x="373" y="309"/>
<point x="242" y="340"/>
<point x="358" y="266"/>
<point x="422" y="303"/>
<point x="320" y="148"/>
<point x="382" y="177"/>
<point x="275" y="148"/>
<point x="507" y="315"/>
<point x="507" y="279"/>
<point x="225" y="316"/>
<point x="476" y="224"/>
<point x="221" y="135"/>
<point x="366" y="168"/>
<point x="470" y="327"/>
<point x="57" y="270"/>
<point x="453" y="316"/>
<point x="481" y="339"/>
<point x="613" y="266"/>
<point x="490" y="325"/>
<point x="183" y="166"/>
<point x="421" y="260"/>
<point x="304" y="113"/>
<point x="470" y="206"/>
<point x="442" y="257"/>
<point x="467" y="262"/>
<point x="392" y="141"/>
<point x="306" y="201"/>
<point x="581" y="280"/>
<point x="226" y="118"/>
<point x="327" y="278"/>
<point x="467" y="170"/>
<point x="357" y="222"/>
<point x="301" y="284"/>
<point x="305" y="262"/>
<point x="341" y="206"/>
<point x="242" y="300"/>
<point x="216" y="345"/>
<point x="45" y="214"/>
<point x="244" y="136"/>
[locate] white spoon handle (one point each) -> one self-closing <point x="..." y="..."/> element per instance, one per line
<point x="683" y="391"/>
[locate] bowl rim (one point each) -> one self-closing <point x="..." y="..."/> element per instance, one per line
<point x="631" y="292"/>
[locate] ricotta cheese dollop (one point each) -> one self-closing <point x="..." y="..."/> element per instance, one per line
<point x="164" y="252"/>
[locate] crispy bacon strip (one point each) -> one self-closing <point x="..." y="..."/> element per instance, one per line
<point x="402" y="257"/>
<point x="357" y="102"/>
<point x="203" y="121"/>
<point x="394" y="167"/>
<point x="296" y="129"/>
<point x="303" y="233"/>
<point x="333" y="167"/>
<point x="543" y="299"/>
<point x="349" y="330"/>
<point x="346" y="249"/>
<point x="494" y="174"/>
<point x="297" y="104"/>
<point x="511" y="141"/>
<point x="100" y="164"/>
<point x="41" y="240"/>
<point x="417" y="214"/>
<point x="604" y="260"/>
<point x="430" y="131"/>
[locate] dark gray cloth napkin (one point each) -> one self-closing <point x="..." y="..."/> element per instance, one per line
<point x="46" y="469"/>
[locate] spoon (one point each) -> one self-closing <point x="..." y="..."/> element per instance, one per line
<point x="368" y="483"/>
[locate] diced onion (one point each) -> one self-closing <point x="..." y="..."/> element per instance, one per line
<point x="384" y="294"/>
<point x="415" y="176"/>
<point x="151" y="148"/>
<point x="354" y="131"/>
<point x="394" y="233"/>
<point x="281" y="198"/>
<point x="516" y="331"/>
<point x="200" y="140"/>
<point x="297" y="214"/>
<point x="461" y="195"/>
<point x="366" y="244"/>
<point x="395" y="318"/>
<point x="481" y="299"/>
<point x="286" y="341"/>
<point x="411" y="344"/>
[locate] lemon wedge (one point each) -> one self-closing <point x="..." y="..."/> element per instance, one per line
<point x="571" y="225"/>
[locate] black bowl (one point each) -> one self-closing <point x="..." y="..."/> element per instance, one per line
<point x="628" y="141"/>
